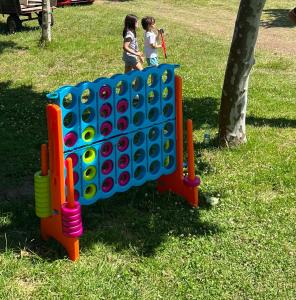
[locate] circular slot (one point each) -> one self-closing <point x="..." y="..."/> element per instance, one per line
<point x="154" y="150"/>
<point x="138" y="118"/>
<point x="153" y="133"/>
<point x="124" y="178"/>
<point x="152" y="80"/>
<point x="70" y="139"/>
<point x="85" y="96"/>
<point x="107" y="185"/>
<point x="168" y="129"/>
<point x="139" y="138"/>
<point x="154" y="167"/>
<point x="140" y="172"/>
<point x="139" y="155"/>
<point x="88" y="115"/>
<point x="152" y="97"/>
<point x="122" y="123"/>
<point x="69" y="120"/>
<point x="105" y="92"/>
<point x="123" y="144"/>
<point x="76" y="195"/>
<point x="167" y="76"/>
<point x="122" y="106"/>
<point x="68" y="101"/>
<point x="107" y="167"/>
<point x="168" y="110"/>
<point x="106" y="149"/>
<point x="74" y="158"/>
<point x="137" y="83"/>
<point x="121" y="87"/>
<point x="138" y="101"/>
<point x="123" y="161"/>
<point x="106" y="128"/>
<point x="166" y="93"/>
<point x="153" y="114"/>
<point x="90" y="191"/>
<point x="168" y="145"/>
<point x="89" y="155"/>
<point x="89" y="173"/>
<point x="106" y="110"/>
<point x="168" y="161"/>
<point x="88" y="134"/>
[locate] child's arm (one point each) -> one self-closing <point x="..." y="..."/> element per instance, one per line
<point x="127" y="48"/>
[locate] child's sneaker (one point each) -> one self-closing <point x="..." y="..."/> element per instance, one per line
<point x="292" y="15"/>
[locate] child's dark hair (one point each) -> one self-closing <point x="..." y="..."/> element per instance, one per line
<point x="146" y="22"/>
<point x="130" y="24"/>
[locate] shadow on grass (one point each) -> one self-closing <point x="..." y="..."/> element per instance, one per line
<point x="4" y="31"/>
<point x="22" y="130"/>
<point x="275" y="122"/>
<point x="139" y="221"/>
<point x="276" y="18"/>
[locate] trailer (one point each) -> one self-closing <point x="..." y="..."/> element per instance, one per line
<point x="20" y="11"/>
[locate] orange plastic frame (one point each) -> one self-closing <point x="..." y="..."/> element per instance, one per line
<point x="51" y="227"/>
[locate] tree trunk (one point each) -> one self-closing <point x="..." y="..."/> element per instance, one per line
<point x="46" y="21"/>
<point x="233" y="109"/>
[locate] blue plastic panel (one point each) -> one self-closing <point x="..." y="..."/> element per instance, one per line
<point x="134" y="115"/>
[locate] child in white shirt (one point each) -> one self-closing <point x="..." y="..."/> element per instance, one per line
<point x="150" y="41"/>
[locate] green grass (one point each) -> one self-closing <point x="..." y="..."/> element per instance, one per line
<point x="142" y="245"/>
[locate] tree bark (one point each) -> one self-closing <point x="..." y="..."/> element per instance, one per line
<point x="233" y="109"/>
<point x="46" y="21"/>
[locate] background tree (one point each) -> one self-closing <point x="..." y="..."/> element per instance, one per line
<point x="232" y="118"/>
<point x="46" y="21"/>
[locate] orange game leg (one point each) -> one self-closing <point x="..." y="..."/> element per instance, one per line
<point x="176" y="182"/>
<point x="51" y="227"/>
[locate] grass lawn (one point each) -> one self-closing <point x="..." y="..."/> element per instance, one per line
<point x="142" y="245"/>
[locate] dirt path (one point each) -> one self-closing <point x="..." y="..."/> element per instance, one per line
<point x="277" y="40"/>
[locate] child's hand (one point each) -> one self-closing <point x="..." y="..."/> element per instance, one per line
<point x="142" y="59"/>
<point x="139" y="53"/>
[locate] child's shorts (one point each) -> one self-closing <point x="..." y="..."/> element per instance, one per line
<point x="153" y="61"/>
<point x="130" y="61"/>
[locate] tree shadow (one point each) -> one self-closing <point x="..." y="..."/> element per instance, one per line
<point x="9" y="45"/>
<point x="203" y="111"/>
<point x="276" y="18"/>
<point x="22" y="130"/>
<point x="274" y="122"/>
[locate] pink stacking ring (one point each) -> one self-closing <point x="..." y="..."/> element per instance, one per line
<point x="71" y="211"/>
<point x="71" y="218"/>
<point x="105" y="110"/>
<point x="122" y="123"/>
<point x="67" y="223"/>
<point x="107" y="167"/>
<point x="105" y="91"/>
<point x="123" y="161"/>
<point x="123" y="144"/>
<point x="75" y="234"/>
<point x="70" y="139"/>
<point x="106" y="149"/>
<point x="122" y="106"/>
<point x="106" y="128"/>
<point x="107" y="185"/>
<point x="124" y="178"/>
<point x="192" y="183"/>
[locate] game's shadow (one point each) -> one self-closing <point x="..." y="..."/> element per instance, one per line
<point x="139" y="221"/>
